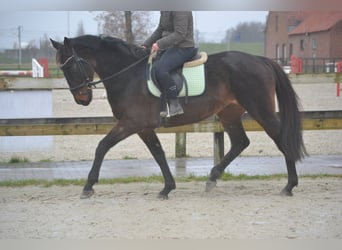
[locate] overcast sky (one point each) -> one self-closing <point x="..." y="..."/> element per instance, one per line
<point x="57" y="24"/>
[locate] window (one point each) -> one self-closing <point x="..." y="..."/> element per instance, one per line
<point x="277" y="53"/>
<point x="291" y="49"/>
<point x="302" y="45"/>
<point x="314" y="43"/>
<point x="284" y="51"/>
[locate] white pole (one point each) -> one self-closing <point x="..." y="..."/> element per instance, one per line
<point x="68" y="22"/>
<point x="19" y="41"/>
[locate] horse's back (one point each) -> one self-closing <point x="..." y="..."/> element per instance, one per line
<point x="241" y="71"/>
<point x="239" y="61"/>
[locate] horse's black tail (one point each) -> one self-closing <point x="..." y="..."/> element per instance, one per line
<point x="290" y="118"/>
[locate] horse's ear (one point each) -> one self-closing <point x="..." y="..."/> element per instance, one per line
<point x="67" y="45"/>
<point x="55" y="44"/>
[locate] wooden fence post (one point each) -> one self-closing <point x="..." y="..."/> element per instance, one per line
<point x="218" y="147"/>
<point x="180" y="145"/>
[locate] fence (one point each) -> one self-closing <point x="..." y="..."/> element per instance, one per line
<point x="338" y="84"/>
<point x="101" y="125"/>
<point x="314" y="65"/>
<point x="312" y="120"/>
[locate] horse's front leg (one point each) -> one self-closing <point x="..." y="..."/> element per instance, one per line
<point x="152" y="142"/>
<point x="116" y="135"/>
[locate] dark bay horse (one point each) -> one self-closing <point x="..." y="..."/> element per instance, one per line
<point x="235" y="82"/>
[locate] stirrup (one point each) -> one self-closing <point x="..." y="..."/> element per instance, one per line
<point x="165" y="113"/>
<point x="175" y="108"/>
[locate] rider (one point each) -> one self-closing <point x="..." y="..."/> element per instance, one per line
<point x="173" y="40"/>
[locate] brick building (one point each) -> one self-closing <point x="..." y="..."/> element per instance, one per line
<point x="307" y="35"/>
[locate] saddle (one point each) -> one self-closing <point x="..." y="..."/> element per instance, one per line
<point x="189" y="79"/>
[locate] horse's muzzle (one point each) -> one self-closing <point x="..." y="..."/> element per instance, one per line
<point x="84" y="98"/>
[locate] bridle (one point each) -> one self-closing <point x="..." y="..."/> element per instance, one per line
<point x="80" y="63"/>
<point x="86" y="80"/>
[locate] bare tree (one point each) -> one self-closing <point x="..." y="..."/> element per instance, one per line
<point x="132" y="26"/>
<point x="46" y="48"/>
<point x="128" y="27"/>
<point x="80" y="29"/>
<point x="246" y="32"/>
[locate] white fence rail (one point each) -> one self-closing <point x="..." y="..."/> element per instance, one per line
<point x="37" y="69"/>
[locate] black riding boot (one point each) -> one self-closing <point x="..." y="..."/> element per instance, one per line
<point x="174" y="107"/>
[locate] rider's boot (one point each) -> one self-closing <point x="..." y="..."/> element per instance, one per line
<point x="174" y="108"/>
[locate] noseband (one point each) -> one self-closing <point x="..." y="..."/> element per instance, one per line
<point x="86" y="80"/>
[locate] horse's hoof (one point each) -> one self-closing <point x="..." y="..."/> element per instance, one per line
<point x="286" y="192"/>
<point x="87" y="194"/>
<point x="163" y="196"/>
<point x="210" y="185"/>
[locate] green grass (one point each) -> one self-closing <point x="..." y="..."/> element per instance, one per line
<point x="45" y="160"/>
<point x="17" y="159"/>
<point x="129" y="157"/>
<point x="252" y="48"/>
<point x="154" y="178"/>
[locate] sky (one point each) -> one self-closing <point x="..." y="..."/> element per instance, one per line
<point x="58" y="24"/>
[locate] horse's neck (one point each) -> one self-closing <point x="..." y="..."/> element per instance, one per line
<point x="117" y="64"/>
<point x="119" y="74"/>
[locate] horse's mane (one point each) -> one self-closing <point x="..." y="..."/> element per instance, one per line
<point x="99" y="42"/>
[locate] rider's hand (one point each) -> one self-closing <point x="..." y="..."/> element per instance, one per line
<point x="155" y="47"/>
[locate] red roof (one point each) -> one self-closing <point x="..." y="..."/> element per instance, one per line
<point x="317" y="21"/>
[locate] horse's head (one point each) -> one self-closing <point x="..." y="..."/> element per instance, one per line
<point x="77" y="71"/>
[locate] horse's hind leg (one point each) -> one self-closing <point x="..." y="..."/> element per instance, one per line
<point x="272" y="127"/>
<point x="271" y="124"/>
<point x="292" y="178"/>
<point x="152" y="142"/>
<point x="231" y="120"/>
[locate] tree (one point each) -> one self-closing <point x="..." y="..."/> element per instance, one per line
<point x="246" y="32"/>
<point x="80" y="29"/>
<point x="46" y="48"/>
<point x="132" y="26"/>
<point x="129" y="27"/>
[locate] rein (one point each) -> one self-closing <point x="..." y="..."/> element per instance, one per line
<point x="90" y="84"/>
<point x="86" y="81"/>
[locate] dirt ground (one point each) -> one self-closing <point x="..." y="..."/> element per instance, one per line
<point x="233" y="210"/>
